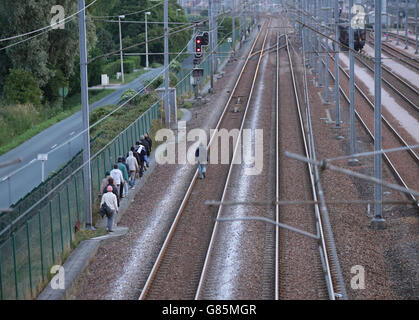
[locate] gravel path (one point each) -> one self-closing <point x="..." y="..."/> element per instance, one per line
<point x="120" y="267"/>
<point x="389" y="257"/>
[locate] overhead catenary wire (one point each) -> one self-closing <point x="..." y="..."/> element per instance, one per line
<point x="109" y="54"/>
<point x="131" y="13"/>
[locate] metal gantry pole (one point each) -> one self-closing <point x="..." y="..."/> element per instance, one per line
<point x="416" y="26"/>
<point x="85" y="116"/>
<point x="336" y="46"/>
<point x="120" y="48"/>
<point x="406" y="9"/>
<point x="387" y="19"/>
<point x="233" y="14"/>
<point x="326" y="56"/>
<point x="315" y="45"/>
<point x="211" y="41"/>
<point x="166" y="63"/>
<point x="351" y="85"/>
<point x="319" y="42"/>
<point x="377" y="221"/>
<point x="398" y="20"/>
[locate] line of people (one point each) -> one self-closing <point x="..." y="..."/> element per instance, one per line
<point x="122" y="177"/>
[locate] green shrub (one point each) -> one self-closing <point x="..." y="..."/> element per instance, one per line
<point x="112" y="68"/>
<point x="51" y="91"/>
<point x="21" y="87"/>
<point x="175" y="66"/>
<point x="155" y="65"/>
<point x="136" y="60"/>
<point x="160" y="80"/>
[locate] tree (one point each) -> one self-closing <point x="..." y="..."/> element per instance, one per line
<point x="44" y="54"/>
<point x="21" y="87"/>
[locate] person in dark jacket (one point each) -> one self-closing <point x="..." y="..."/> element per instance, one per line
<point x="147" y="147"/>
<point x="114" y="189"/>
<point x="150" y="142"/>
<point x="140" y="149"/>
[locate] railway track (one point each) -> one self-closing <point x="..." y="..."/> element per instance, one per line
<point x="177" y="269"/>
<point x="399" y="55"/>
<point x="398" y="85"/>
<point x="330" y="268"/>
<point x="403" y="172"/>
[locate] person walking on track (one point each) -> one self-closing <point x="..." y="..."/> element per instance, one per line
<point x="201" y="155"/>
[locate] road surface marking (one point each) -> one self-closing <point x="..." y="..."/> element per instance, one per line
<point x="53" y="146"/>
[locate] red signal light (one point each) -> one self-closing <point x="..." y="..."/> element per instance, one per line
<point x="198" y="41"/>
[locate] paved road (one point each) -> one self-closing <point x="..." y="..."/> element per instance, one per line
<point x="49" y="140"/>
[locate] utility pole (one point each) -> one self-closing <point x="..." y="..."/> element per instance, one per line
<point x="85" y="116"/>
<point x="378" y="221"/>
<point x="166" y="64"/>
<point x="120" y="48"/>
<point x="146" y="40"/>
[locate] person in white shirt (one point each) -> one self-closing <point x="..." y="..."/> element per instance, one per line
<point x="118" y="179"/>
<point x="110" y="199"/>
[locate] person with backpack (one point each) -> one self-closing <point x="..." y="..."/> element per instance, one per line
<point x="201" y="155"/>
<point x="147" y="148"/>
<point x="142" y="152"/>
<point x="109" y="207"/>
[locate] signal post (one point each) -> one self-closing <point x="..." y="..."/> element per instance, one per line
<point x="197" y="73"/>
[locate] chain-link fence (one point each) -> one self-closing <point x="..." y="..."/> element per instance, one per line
<point x="28" y="250"/>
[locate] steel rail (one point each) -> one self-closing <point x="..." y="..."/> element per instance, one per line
<point x="369" y="132"/>
<point x="188" y="193"/>
<point x="387" y="48"/>
<point x="386" y="122"/>
<point x="215" y="229"/>
<point x="394" y="75"/>
<point x="319" y="223"/>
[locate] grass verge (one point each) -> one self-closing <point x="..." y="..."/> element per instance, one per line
<point x="26" y="135"/>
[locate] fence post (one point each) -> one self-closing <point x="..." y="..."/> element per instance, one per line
<point x="77" y="196"/>
<point x="29" y="255"/>
<point x="41" y="244"/>
<point x="52" y="231"/>
<point x="69" y="214"/>
<point x="126" y="139"/>
<point x="14" y="264"/>
<point x="98" y="174"/>
<point x="61" y="222"/>
<point x="104" y="162"/>
<point x="119" y="148"/>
